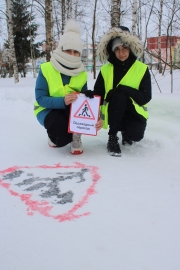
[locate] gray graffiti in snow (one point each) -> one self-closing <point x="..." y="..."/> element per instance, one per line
<point x="48" y="187"/>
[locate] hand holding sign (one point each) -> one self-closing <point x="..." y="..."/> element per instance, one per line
<point x="99" y="124"/>
<point x="84" y="115"/>
<point x="69" y="98"/>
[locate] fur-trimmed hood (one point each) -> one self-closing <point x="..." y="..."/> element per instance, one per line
<point x="128" y="39"/>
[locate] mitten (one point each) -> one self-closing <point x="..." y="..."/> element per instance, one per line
<point x="111" y="94"/>
<point x="89" y="93"/>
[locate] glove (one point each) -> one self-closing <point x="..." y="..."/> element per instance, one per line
<point x="89" y="93"/>
<point x="111" y="94"/>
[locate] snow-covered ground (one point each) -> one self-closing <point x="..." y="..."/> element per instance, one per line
<point x="92" y="211"/>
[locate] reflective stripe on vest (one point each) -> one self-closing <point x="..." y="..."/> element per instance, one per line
<point x="55" y="84"/>
<point x="132" y="79"/>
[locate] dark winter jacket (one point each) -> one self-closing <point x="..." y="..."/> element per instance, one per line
<point x="142" y="96"/>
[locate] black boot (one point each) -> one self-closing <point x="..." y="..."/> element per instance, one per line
<point x="113" y="146"/>
<point x="125" y="139"/>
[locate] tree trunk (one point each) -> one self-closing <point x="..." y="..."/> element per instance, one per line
<point x="115" y="13"/>
<point x="147" y="22"/>
<point x="159" y="36"/>
<point x="32" y="47"/>
<point x="69" y="9"/>
<point x="48" y="23"/>
<point x="56" y="24"/>
<point x="11" y="69"/>
<point x="11" y="40"/>
<point x="171" y="28"/>
<point x="76" y="9"/>
<point x="93" y="39"/>
<point x="63" y="12"/>
<point x="168" y="40"/>
<point x="134" y="17"/>
<point x="140" y="19"/>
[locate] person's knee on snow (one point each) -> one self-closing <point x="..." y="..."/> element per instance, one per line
<point x="136" y="137"/>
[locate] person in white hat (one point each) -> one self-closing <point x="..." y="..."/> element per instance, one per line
<point x="55" y="86"/>
<point x="124" y="84"/>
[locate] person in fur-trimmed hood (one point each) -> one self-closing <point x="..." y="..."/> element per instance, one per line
<point x="56" y="85"/>
<point x="124" y="85"/>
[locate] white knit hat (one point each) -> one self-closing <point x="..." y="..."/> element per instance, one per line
<point x="116" y="42"/>
<point x="71" y="39"/>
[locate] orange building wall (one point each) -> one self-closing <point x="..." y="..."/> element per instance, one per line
<point x="152" y="42"/>
<point x="166" y="43"/>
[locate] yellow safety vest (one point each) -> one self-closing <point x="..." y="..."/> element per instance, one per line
<point x="132" y="79"/>
<point x="55" y="84"/>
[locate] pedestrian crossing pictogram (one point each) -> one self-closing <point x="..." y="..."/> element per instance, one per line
<point x="84" y="115"/>
<point x="84" y="111"/>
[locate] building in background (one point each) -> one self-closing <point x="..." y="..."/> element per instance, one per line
<point x="170" y="47"/>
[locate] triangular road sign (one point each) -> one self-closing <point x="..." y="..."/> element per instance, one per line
<point x="84" y="111"/>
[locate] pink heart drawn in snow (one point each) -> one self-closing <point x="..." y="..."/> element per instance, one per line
<point x="55" y="191"/>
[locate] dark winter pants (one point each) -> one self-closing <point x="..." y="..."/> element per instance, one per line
<point x="56" y="123"/>
<point x="122" y="117"/>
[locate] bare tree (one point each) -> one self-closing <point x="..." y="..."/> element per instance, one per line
<point x="64" y="10"/>
<point x="161" y="2"/>
<point x="147" y="23"/>
<point x="49" y="28"/>
<point x="93" y="39"/>
<point x="76" y="9"/>
<point x="173" y="10"/>
<point x="148" y="19"/>
<point x="63" y="15"/>
<point x="115" y="13"/>
<point x="134" y="16"/>
<point x="11" y="40"/>
<point x="140" y="20"/>
<point x="69" y="9"/>
<point x="56" y="22"/>
<point x="31" y="44"/>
